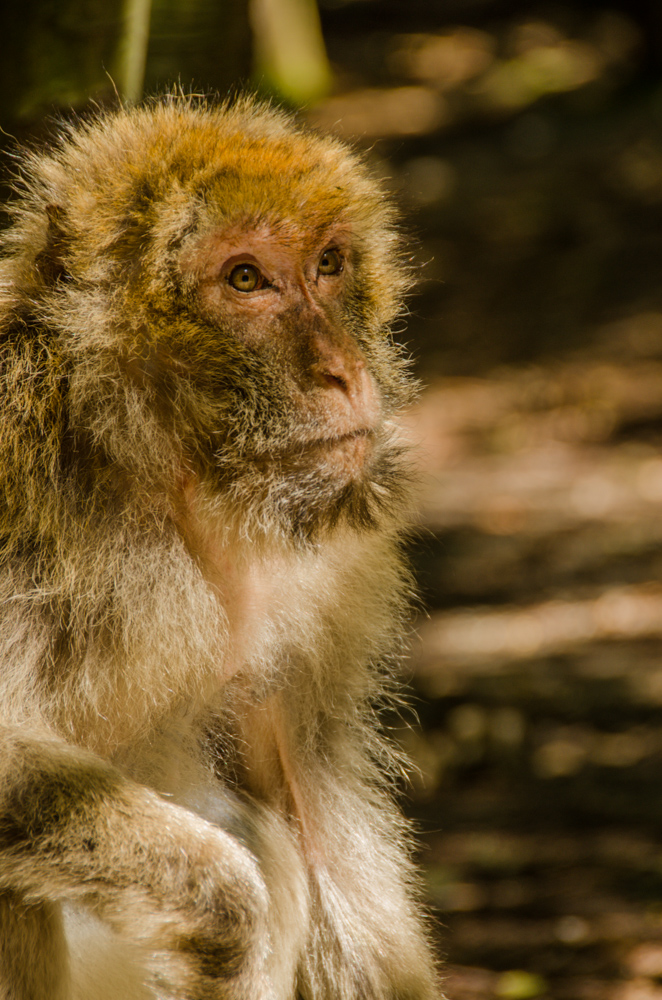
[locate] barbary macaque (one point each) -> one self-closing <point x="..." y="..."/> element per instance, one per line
<point x="202" y="588"/>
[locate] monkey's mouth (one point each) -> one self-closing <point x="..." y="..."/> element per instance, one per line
<point x="340" y="439"/>
<point x="360" y="439"/>
<point x="342" y="455"/>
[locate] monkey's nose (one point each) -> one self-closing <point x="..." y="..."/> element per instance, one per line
<point x="352" y="392"/>
<point x="337" y="366"/>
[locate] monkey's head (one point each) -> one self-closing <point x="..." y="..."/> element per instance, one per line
<point x="220" y="284"/>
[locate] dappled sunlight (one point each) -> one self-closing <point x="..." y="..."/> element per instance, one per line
<point x="466" y="72"/>
<point x="541" y="486"/>
<point x="447" y="60"/>
<point x="546" y="63"/>
<point x="475" y="637"/>
<point x="534" y="454"/>
<point x="532" y="450"/>
<point x="396" y="111"/>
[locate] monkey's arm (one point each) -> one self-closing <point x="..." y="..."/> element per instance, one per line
<point x="73" y="828"/>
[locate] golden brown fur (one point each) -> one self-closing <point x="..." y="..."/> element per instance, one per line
<point x="201" y="582"/>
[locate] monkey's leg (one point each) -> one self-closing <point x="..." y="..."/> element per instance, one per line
<point x="369" y="939"/>
<point x="33" y="950"/>
<point x="73" y="828"/>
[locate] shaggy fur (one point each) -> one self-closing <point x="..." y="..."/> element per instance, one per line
<point x="199" y="620"/>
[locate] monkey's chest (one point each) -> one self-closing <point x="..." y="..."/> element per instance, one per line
<point x="267" y="762"/>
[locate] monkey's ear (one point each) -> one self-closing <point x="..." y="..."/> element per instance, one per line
<point x="50" y="262"/>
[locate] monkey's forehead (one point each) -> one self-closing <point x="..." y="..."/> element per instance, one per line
<point x="231" y="162"/>
<point x="260" y="182"/>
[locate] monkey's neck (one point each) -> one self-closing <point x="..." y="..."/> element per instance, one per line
<point x="250" y="593"/>
<point x="257" y="586"/>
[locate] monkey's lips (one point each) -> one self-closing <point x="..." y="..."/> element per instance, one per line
<point x="342" y="454"/>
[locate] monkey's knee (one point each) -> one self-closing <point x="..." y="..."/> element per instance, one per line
<point x="49" y="814"/>
<point x="230" y="938"/>
<point x="33" y="950"/>
<point x="219" y="951"/>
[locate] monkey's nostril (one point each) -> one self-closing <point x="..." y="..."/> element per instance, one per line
<point x="335" y="380"/>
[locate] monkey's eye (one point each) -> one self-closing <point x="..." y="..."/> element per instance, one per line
<point x="246" y="278"/>
<point x="331" y="262"/>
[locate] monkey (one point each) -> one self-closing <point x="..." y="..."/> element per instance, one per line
<point x="203" y="590"/>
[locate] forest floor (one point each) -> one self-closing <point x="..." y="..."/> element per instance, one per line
<point x="537" y="332"/>
<point x="538" y="674"/>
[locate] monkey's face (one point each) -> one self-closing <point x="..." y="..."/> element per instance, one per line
<point x="224" y="282"/>
<point x="306" y="429"/>
<point x="284" y="300"/>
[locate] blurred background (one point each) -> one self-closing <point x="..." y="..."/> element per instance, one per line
<point x="524" y="143"/>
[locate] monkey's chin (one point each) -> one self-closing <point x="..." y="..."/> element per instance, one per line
<point x="313" y="486"/>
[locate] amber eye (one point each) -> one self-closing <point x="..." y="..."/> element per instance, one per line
<point x="330" y="262"/>
<point x="245" y="278"/>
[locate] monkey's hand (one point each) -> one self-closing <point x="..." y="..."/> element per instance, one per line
<point x="72" y="827"/>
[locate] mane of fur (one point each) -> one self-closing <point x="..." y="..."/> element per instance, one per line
<point x="94" y="573"/>
<point x="112" y="390"/>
